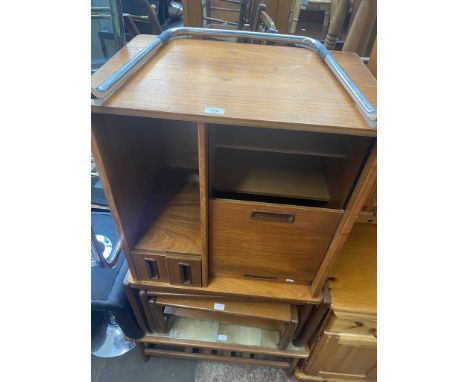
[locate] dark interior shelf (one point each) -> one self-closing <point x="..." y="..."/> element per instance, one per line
<point x="270" y="174"/>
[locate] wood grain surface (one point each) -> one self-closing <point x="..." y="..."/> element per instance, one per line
<point x="279" y="141"/>
<point x="257" y="85"/>
<point x="353" y="282"/>
<point x="268" y="310"/>
<point x="299" y="352"/>
<point x="228" y="287"/>
<point x="270" y="174"/>
<point x="282" y="251"/>
<point x="177" y="226"/>
<point x="362" y="190"/>
<point x="204" y="190"/>
<point x="225" y="318"/>
<point x="332" y="357"/>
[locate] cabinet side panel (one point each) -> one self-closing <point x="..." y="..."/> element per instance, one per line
<point x="127" y="158"/>
<point x="361" y="192"/>
<point x="203" y="178"/>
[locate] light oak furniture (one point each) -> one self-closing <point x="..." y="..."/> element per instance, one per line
<point x="281" y="13"/>
<point x="362" y="30"/>
<point x="225" y="197"/>
<point x="336" y="24"/>
<point x="345" y="347"/>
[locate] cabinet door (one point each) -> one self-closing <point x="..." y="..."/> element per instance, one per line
<point x="347" y="357"/>
<point x="265" y="241"/>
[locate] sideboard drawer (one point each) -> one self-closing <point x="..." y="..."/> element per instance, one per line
<point x="150" y="266"/>
<point x="265" y="241"/>
<point x="354" y="325"/>
<point x="184" y="269"/>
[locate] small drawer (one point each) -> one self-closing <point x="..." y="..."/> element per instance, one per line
<point x="184" y="269"/>
<point x="150" y="266"/>
<point x="265" y="241"/>
<point x="354" y="325"/>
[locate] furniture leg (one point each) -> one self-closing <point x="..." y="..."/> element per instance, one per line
<point x="289" y="331"/>
<point x="136" y="306"/>
<point x="313" y="323"/>
<point x="356" y="30"/>
<point x="146" y="308"/>
<point x="326" y="21"/>
<point x="141" y="349"/>
<point x="157" y="315"/>
<point x="336" y="24"/>
<point x="303" y="317"/>
<point x="292" y="365"/>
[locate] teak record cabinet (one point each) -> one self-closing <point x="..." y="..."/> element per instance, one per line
<point x="258" y="195"/>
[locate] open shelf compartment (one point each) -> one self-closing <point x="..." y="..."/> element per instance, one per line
<point x="176" y="211"/>
<point x="284" y="166"/>
<point x="151" y="167"/>
<point x="214" y="332"/>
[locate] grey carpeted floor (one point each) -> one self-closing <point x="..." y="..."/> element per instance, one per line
<point x="131" y="368"/>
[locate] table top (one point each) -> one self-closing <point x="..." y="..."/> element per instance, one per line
<point x="256" y="85"/>
<point x="238" y="288"/>
<point x="353" y="285"/>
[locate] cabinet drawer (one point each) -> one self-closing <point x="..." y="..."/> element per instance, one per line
<point x="269" y="241"/>
<point x="150" y="266"/>
<point x="354" y="325"/>
<point x="184" y="270"/>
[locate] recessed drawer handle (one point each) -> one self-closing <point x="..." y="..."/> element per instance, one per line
<point x="152" y="269"/>
<point x="185" y="272"/>
<point x="270" y="278"/>
<point x="282" y="217"/>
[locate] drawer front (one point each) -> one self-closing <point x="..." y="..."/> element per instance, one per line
<point x="349" y="358"/>
<point x="354" y="325"/>
<point x="150" y="266"/>
<point x="268" y="241"/>
<point x="184" y="270"/>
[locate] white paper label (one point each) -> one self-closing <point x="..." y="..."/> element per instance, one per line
<point x="214" y="110"/>
<point x="222" y="337"/>
<point x="289" y="280"/>
<point x="217" y="306"/>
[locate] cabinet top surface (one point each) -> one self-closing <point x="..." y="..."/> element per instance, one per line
<point x="256" y="85"/>
<point x="353" y="286"/>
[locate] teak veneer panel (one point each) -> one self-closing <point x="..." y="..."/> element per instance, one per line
<point x="177" y="227"/>
<point x="279" y="141"/>
<point x="266" y="310"/>
<point x="211" y="357"/>
<point x="279" y="250"/>
<point x="353" y="283"/>
<point x="233" y="287"/>
<point x="256" y="85"/>
<point x="203" y="172"/>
